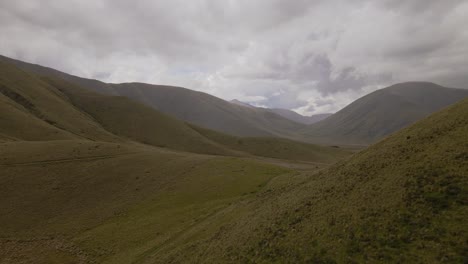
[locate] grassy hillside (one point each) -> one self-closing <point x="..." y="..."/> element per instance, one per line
<point x="52" y="109"/>
<point x="91" y="201"/>
<point x="191" y="106"/>
<point x="279" y="148"/>
<point x="403" y="200"/>
<point x="135" y="121"/>
<point x="383" y="112"/>
<point x="34" y="110"/>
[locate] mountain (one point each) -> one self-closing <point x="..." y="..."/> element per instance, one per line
<point x="402" y="200"/>
<point x="383" y="112"/>
<point x="191" y="106"/>
<point x="291" y="115"/>
<point x="39" y="109"/>
<point x="288" y="114"/>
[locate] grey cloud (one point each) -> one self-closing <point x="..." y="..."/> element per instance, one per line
<point x="277" y="52"/>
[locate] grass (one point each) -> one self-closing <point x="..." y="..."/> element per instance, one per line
<point x="402" y="200"/>
<point x="279" y="148"/>
<point x="81" y="182"/>
<point x="113" y="200"/>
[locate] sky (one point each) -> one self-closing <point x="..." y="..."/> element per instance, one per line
<point x="310" y="56"/>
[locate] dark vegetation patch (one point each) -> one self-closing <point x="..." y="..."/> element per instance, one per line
<point x="18" y="98"/>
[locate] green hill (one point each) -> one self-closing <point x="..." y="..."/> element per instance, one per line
<point x="34" y="110"/>
<point x="191" y="106"/>
<point x="403" y="200"/>
<point x="46" y="108"/>
<point x="383" y="112"/>
<point x="78" y="201"/>
<point x="135" y="121"/>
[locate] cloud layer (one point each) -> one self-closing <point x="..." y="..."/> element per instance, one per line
<point x="312" y="56"/>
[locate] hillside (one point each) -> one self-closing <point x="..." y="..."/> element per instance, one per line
<point x="279" y="148"/>
<point x="383" y="112"/>
<point x="135" y="121"/>
<point x="191" y="106"/>
<point x="86" y="201"/>
<point x="34" y="110"/>
<point x="402" y="200"/>
<point x="40" y="109"/>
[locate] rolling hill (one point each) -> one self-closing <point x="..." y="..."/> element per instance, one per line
<point x="383" y="112"/>
<point x="79" y="201"/>
<point x="38" y="109"/>
<point x="364" y="121"/>
<point x="191" y="106"/>
<point x="403" y="200"/>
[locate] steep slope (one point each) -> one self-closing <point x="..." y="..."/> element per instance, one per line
<point x="403" y="200"/>
<point x="135" y="121"/>
<point x="34" y="110"/>
<point x="383" y="112"/>
<point x="191" y="106"/>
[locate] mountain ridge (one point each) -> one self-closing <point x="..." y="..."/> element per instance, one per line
<point x="383" y="112"/>
<point x="191" y="106"/>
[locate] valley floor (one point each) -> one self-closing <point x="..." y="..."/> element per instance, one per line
<point x="73" y="201"/>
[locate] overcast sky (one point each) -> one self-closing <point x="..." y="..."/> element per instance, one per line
<point x="312" y="56"/>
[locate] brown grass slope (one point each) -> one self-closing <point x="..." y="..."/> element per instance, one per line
<point x="403" y="200"/>
<point x="383" y="112"/>
<point x="191" y="106"/>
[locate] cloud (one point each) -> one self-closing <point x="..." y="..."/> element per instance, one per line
<point x="310" y="56"/>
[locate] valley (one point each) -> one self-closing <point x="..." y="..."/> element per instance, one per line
<point x="114" y="173"/>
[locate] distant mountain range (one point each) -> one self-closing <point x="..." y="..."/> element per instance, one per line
<point x="289" y="114"/>
<point x="191" y="106"/>
<point x="37" y="108"/>
<point x="364" y="121"/>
